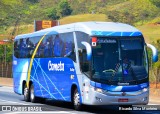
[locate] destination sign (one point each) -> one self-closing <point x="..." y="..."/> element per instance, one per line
<point x="106" y="41"/>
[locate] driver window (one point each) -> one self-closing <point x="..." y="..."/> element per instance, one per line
<point x="84" y="63"/>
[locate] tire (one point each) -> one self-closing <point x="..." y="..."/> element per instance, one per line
<point x="76" y="100"/>
<point x="26" y="94"/>
<point x="32" y="95"/>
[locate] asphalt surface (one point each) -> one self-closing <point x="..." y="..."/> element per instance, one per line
<point x="11" y="101"/>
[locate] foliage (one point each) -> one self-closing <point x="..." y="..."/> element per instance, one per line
<point x="53" y="14"/>
<point x="150" y="32"/>
<point x="128" y="11"/>
<point x="132" y="11"/>
<point x="33" y="1"/>
<point x="8" y="48"/>
<point x="91" y="6"/>
<point x="156" y="2"/>
<point x="64" y="8"/>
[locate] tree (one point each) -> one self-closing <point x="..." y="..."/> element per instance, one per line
<point x="156" y="2"/>
<point x="133" y="11"/>
<point x="64" y="8"/>
<point x="33" y="1"/>
<point x="52" y="13"/>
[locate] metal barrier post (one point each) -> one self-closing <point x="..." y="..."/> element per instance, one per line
<point x="2" y="69"/>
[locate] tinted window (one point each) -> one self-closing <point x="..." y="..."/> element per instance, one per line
<point x="52" y="46"/>
<point x="46" y="47"/>
<point x="82" y="37"/>
<point x="24" y="48"/>
<point x="64" y="46"/>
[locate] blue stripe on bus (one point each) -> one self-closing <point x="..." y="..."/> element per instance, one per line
<point x="103" y="33"/>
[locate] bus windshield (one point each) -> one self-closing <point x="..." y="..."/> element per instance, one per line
<point x="119" y="61"/>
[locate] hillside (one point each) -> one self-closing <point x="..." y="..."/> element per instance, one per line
<point x="22" y="29"/>
<point x="22" y="13"/>
<point x="151" y="32"/>
<point x="84" y="17"/>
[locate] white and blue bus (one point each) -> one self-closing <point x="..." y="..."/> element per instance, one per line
<point x="92" y="63"/>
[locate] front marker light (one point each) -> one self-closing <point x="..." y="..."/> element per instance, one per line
<point x="145" y="89"/>
<point x="99" y="90"/>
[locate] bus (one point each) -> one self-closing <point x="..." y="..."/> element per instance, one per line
<point x="91" y="63"/>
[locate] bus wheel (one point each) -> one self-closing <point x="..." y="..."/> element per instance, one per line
<point x="32" y="96"/>
<point x="76" y="100"/>
<point x="26" y="94"/>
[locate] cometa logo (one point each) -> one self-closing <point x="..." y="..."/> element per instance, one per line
<point x="55" y="66"/>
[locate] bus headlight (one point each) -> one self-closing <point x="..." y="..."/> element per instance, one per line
<point x="99" y="90"/>
<point x="145" y="89"/>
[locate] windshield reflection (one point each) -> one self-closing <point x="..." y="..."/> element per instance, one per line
<point x="119" y="60"/>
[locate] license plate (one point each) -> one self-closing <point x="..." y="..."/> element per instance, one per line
<point x="123" y="100"/>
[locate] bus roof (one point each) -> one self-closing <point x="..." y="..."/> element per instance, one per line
<point x="91" y="28"/>
<point x="98" y="29"/>
<point x="34" y="34"/>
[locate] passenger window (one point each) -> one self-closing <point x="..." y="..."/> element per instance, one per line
<point x="68" y="47"/>
<point x="58" y="46"/>
<point x="46" y="47"/>
<point x="16" y="49"/>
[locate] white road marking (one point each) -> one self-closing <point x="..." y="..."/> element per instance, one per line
<point x="44" y="112"/>
<point x="152" y="104"/>
<point x="6" y="89"/>
<point x="13" y="102"/>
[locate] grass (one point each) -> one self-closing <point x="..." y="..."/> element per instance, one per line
<point x="22" y="29"/>
<point x="84" y="17"/>
<point x="151" y="32"/>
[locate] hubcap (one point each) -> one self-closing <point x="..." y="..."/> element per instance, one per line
<point x="25" y="92"/>
<point x="76" y="99"/>
<point x="32" y="93"/>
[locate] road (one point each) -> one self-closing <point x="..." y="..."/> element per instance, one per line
<point x="9" y="98"/>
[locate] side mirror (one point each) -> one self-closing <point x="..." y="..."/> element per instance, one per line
<point x="89" y="50"/>
<point x="154" y="52"/>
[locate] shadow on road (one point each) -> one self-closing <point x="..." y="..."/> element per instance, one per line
<point x="66" y="106"/>
<point x="53" y="105"/>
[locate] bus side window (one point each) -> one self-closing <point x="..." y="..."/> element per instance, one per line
<point x="16" y="49"/>
<point x="68" y="46"/>
<point x="40" y="50"/>
<point x="69" y="50"/>
<point x="22" y="47"/>
<point x="58" y="46"/>
<point x="33" y="41"/>
<point x="29" y="48"/>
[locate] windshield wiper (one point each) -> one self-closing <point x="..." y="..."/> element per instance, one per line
<point x="114" y="73"/>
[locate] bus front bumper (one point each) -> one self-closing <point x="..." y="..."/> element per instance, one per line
<point x="119" y="98"/>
